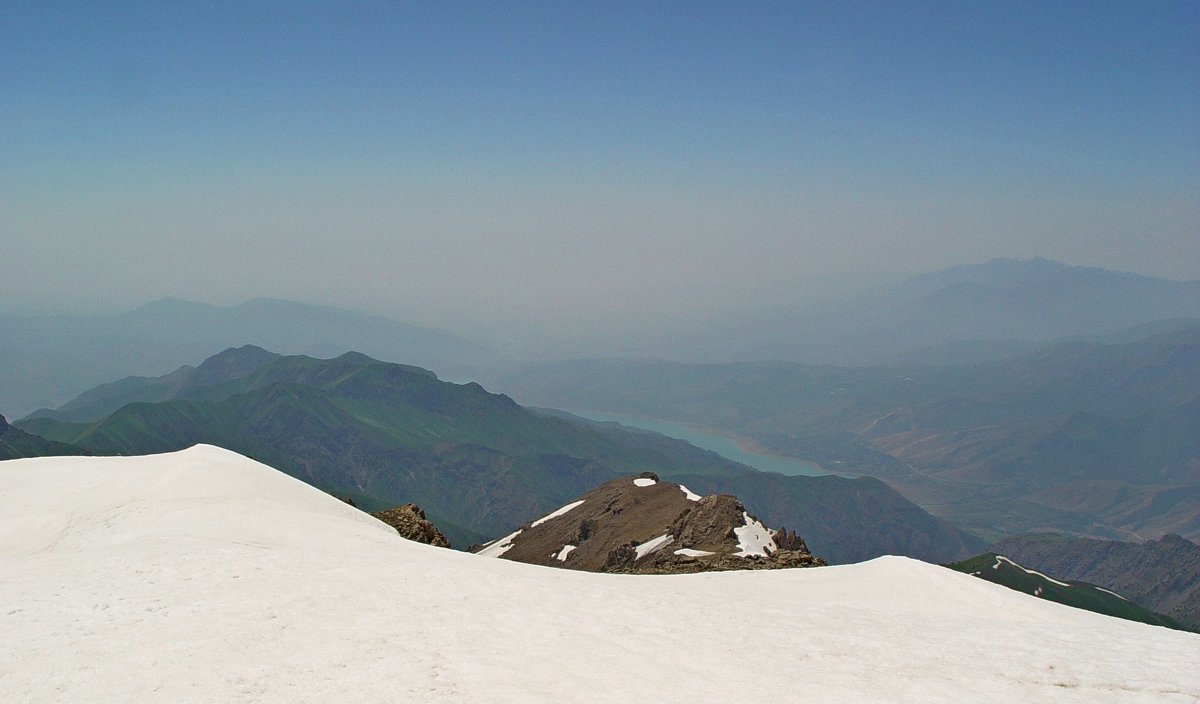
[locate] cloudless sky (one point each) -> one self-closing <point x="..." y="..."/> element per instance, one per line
<point x="583" y="165"/>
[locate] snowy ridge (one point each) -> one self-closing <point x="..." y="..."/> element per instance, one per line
<point x="1001" y="558"/>
<point x="203" y="575"/>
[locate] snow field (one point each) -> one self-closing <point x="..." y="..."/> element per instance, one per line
<point x="205" y="576"/>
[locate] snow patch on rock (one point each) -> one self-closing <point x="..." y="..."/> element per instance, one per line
<point x="644" y="481"/>
<point x="561" y="556"/>
<point x="556" y="514"/>
<point x="754" y="538"/>
<point x="499" y="547"/>
<point x="691" y="496"/>
<point x="653" y="544"/>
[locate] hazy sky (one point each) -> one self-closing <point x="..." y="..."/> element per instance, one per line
<point x="582" y="163"/>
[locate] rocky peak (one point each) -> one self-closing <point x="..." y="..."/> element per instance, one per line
<point x="645" y="525"/>
<point x="409" y="520"/>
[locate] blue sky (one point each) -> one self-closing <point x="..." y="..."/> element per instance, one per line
<point x="576" y="163"/>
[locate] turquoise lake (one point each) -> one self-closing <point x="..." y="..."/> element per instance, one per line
<point x="727" y="448"/>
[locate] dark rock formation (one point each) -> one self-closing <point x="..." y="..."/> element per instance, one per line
<point x="707" y="521"/>
<point x="788" y="540"/>
<point x="410" y="522"/>
<point x="646" y="526"/>
<point x="668" y="562"/>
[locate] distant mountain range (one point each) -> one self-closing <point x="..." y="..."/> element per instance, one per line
<point x="385" y="434"/>
<point x="969" y="313"/>
<point x="47" y="360"/>
<point x="977" y="313"/>
<point x="988" y="426"/>
<point x="1085" y="437"/>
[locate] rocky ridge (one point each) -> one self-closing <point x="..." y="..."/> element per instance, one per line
<point x="646" y="526"/>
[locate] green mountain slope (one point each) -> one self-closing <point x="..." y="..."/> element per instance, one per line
<point x="1163" y="574"/>
<point x="16" y="443"/>
<point x="353" y="425"/>
<point x="1081" y="595"/>
<point x="182" y="383"/>
<point x="386" y="434"/>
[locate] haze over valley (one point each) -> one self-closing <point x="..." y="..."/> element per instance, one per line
<point x="561" y="352"/>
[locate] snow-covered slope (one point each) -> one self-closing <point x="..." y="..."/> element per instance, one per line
<point x="204" y="576"/>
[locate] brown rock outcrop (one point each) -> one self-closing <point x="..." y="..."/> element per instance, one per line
<point x="646" y="526"/>
<point x="410" y="522"/>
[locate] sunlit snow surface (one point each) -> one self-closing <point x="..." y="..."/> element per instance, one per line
<point x="644" y="481"/>
<point x="202" y="576"/>
<point x="691" y="495"/>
